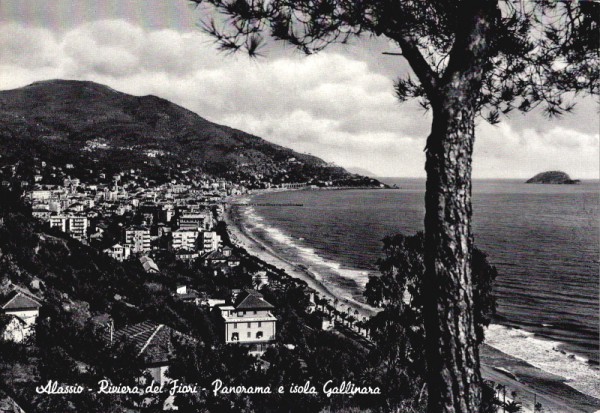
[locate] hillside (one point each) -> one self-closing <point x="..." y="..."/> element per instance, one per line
<point x="88" y="123"/>
<point x="552" y="177"/>
<point x="79" y="287"/>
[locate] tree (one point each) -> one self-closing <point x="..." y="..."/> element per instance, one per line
<point x="398" y="330"/>
<point x="469" y="58"/>
<point x="513" y="407"/>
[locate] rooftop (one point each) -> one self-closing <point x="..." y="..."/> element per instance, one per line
<point x="251" y="300"/>
<point x="152" y="341"/>
<point x="19" y="301"/>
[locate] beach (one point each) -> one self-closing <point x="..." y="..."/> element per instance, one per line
<point x="241" y="237"/>
<point x="538" y="370"/>
<point x="533" y="384"/>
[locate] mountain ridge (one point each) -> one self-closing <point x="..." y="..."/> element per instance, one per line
<point x="69" y="117"/>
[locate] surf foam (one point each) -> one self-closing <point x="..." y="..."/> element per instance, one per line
<point x="545" y="355"/>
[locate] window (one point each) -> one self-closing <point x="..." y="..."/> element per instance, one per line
<point x="235" y="337"/>
<point x="259" y="324"/>
<point x="254" y="312"/>
<point x="259" y="334"/>
<point x="234" y="325"/>
<point x="249" y="335"/>
<point x="249" y="325"/>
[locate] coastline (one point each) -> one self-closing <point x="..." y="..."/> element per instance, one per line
<point x="531" y="378"/>
<point x="240" y="236"/>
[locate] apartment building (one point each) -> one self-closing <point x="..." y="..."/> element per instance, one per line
<point x="209" y="241"/>
<point x="137" y="238"/>
<point x="185" y="240"/>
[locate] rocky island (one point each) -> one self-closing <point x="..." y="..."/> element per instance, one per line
<point x="552" y="177"/>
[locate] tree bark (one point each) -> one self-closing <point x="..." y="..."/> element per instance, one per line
<point x="452" y="352"/>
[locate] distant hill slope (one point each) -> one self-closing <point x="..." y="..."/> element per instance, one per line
<point x="552" y="177"/>
<point x="361" y="171"/>
<point x="82" y="120"/>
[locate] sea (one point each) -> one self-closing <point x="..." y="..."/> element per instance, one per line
<point x="543" y="239"/>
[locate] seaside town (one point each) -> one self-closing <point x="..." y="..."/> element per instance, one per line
<point x="174" y="234"/>
<point x="234" y="206"/>
<point x="183" y="281"/>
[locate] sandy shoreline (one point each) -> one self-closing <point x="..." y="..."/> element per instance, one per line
<point x="531" y="383"/>
<point x="242" y="238"/>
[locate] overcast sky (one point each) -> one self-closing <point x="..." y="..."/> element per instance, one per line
<point x="338" y="105"/>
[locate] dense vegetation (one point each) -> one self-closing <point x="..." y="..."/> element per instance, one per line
<point x="80" y="283"/>
<point x="398" y="330"/>
<point x="92" y="125"/>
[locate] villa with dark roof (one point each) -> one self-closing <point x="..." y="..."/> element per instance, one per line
<point x="223" y="257"/>
<point x="249" y="321"/>
<point x="19" y="313"/>
<point x="153" y="342"/>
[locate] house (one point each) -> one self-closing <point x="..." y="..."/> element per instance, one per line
<point x="327" y="323"/>
<point x="223" y="257"/>
<point x="41" y="194"/>
<point x="312" y="305"/>
<point x="118" y="252"/>
<point x="187" y="294"/>
<point x="20" y="312"/>
<point x="76" y="226"/>
<point x="59" y="222"/>
<point x="37" y="284"/>
<point x="149" y="265"/>
<point x="248" y="321"/>
<point x="185" y="255"/>
<point x="322" y="321"/>
<point x="41" y="213"/>
<point x="153" y="343"/>
<point x="212" y="302"/>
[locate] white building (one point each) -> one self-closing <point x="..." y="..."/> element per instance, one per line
<point x="137" y="238"/>
<point x="59" y="222"/>
<point x="20" y="312"/>
<point x="78" y="226"/>
<point x="249" y="321"/>
<point x="209" y="241"/>
<point x="75" y="226"/>
<point x="118" y="252"/>
<point x="41" y="194"/>
<point x="149" y="265"/>
<point x="185" y="240"/>
<point x="195" y="221"/>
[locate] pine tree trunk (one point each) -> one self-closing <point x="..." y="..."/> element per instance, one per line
<point x="452" y="353"/>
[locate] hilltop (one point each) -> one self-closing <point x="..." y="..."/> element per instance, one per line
<point x="88" y="123"/>
<point x="552" y="177"/>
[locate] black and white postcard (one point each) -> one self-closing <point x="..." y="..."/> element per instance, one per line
<point x="329" y="206"/>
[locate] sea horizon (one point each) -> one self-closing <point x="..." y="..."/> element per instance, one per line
<point x="423" y="178"/>
<point x="277" y="231"/>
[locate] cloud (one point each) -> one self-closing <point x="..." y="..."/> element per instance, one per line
<point x="335" y="105"/>
<point x="528" y="151"/>
<point x="34" y="48"/>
